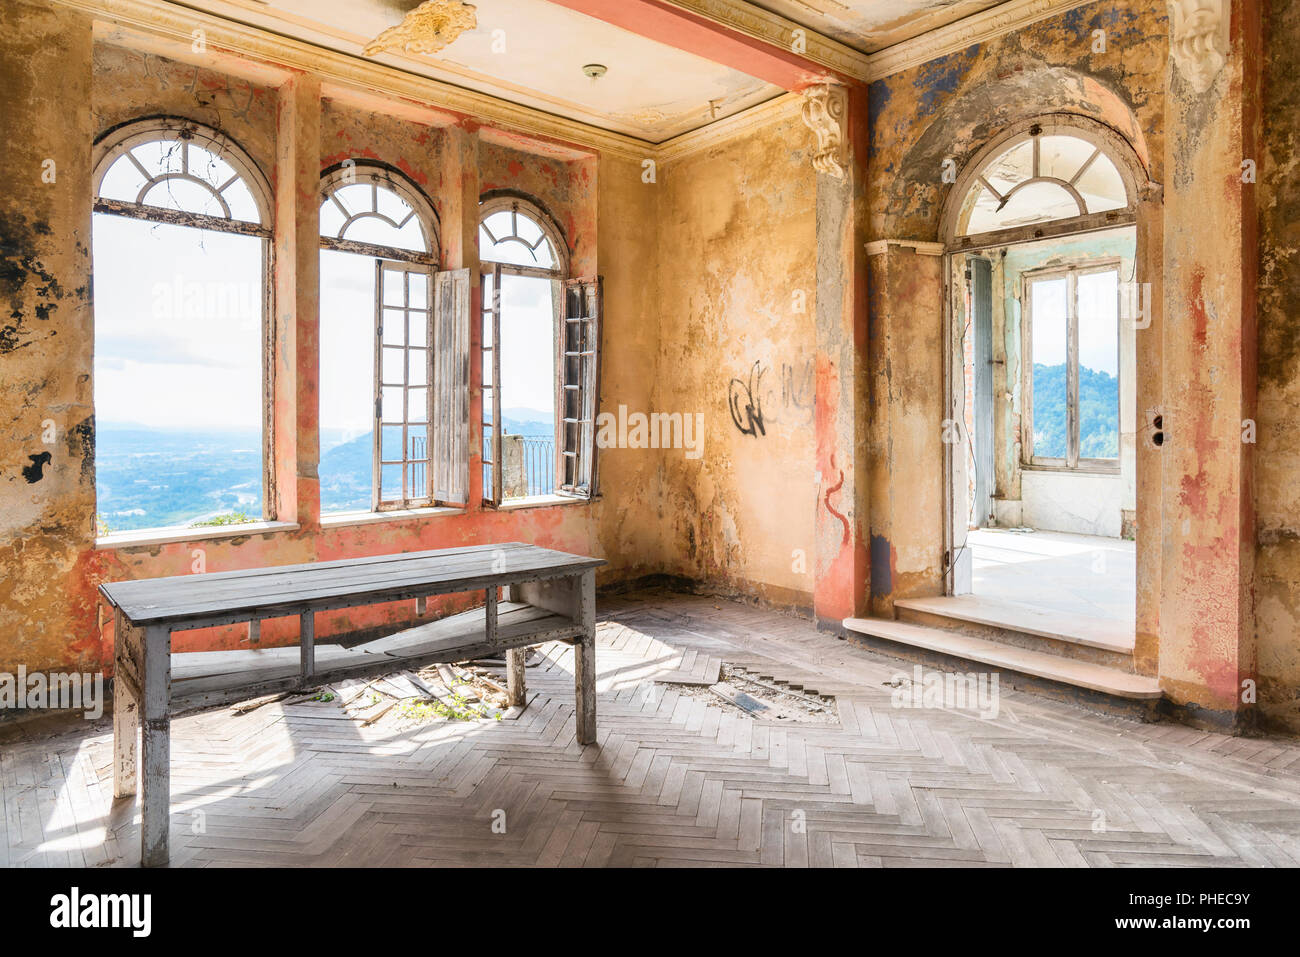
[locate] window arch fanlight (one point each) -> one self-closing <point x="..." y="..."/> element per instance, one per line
<point x="1069" y="171"/>
<point x="516" y="233"/>
<point x="175" y="170"/>
<point x="374" y="210"/>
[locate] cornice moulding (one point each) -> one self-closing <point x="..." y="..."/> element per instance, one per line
<point x="760" y="24"/>
<point x="977" y="28"/>
<point x="170" y="21"/>
<point x="784" y="107"/>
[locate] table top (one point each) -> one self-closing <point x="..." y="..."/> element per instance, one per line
<point x="291" y="589"/>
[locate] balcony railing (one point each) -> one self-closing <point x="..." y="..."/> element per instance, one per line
<point x="539" y="464"/>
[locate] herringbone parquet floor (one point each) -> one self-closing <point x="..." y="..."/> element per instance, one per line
<point x="673" y="780"/>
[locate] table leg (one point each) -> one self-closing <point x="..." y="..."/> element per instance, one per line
<point x="584" y="687"/>
<point x="155" y="810"/>
<point x="515" y="683"/>
<point x="307" y="643"/>
<point x="584" y="657"/>
<point x="126" y="706"/>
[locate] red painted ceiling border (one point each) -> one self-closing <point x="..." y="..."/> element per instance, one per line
<point x="692" y="33"/>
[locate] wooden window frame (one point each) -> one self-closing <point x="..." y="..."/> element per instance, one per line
<point x="490" y="422"/>
<point x="118" y="143"/>
<point x="1070" y="272"/>
<point x="446" y="412"/>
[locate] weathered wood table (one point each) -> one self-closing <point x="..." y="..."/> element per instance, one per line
<point x="552" y="597"/>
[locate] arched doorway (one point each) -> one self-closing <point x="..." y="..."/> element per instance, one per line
<point x="1046" y="300"/>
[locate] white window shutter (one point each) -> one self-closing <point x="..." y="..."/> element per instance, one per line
<point x="579" y="363"/>
<point x="451" y="387"/>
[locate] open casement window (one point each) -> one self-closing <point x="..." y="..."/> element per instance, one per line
<point x="421" y="386"/>
<point x="1071" y="396"/>
<point x="395" y="365"/>
<point x="578" y="387"/>
<point x="539" y="354"/>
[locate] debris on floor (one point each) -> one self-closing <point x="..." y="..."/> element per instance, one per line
<point x="442" y="692"/>
<point x="763" y="698"/>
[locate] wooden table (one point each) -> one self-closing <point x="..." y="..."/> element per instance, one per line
<point x="552" y="597"/>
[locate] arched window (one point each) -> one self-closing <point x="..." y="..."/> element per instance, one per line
<point x="1058" y="170"/>
<point x="375" y="210"/>
<point x="525" y="265"/>
<point x="180" y="232"/>
<point x="516" y="233"/>
<point x="379" y="366"/>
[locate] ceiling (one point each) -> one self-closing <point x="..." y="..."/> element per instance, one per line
<point x="871" y="25"/>
<point x="652" y="91"/>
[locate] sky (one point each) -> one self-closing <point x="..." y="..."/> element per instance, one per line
<point x="178" y="325"/>
<point x="1098" y="321"/>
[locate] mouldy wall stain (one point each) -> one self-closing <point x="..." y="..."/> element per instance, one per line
<point x="737" y="283"/>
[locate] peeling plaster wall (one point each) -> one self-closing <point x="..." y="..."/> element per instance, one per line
<point x="736" y="301"/>
<point x="50" y="566"/>
<point x="1277" y="460"/>
<point x="47" y="492"/>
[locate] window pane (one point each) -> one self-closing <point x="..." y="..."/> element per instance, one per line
<point x="513" y="237"/>
<point x="417" y="367"/>
<point x="417" y="329"/>
<point x="178" y="374"/>
<point x="347" y="388"/>
<point x="390" y="443"/>
<point x="1048" y="333"/>
<point x="390" y="483"/>
<point x="1099" y="365"/>
<point x="394" y="360"/>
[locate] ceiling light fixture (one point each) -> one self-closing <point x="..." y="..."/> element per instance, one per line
<point x="595" y="70"/>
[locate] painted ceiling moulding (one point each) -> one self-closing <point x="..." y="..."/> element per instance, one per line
<point x="759" y="24"/>
<point x="178" y="24"/>
<point x="428" y="28"/>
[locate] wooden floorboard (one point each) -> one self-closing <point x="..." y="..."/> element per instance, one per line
<point x="675" y="780"/>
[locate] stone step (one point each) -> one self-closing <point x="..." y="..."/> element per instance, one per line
<point x="1096" y="640"/>
<point x="1037" y="664"/>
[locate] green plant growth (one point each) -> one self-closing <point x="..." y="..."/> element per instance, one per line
<point x="457" y="710"/>
<point x="229" y="518"/>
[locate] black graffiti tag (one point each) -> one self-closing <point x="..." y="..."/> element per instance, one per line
<point x="746" y="408"/>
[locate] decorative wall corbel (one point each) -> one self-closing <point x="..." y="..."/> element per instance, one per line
<point x="825" y="109"/>
<point x="1199" y="43"/>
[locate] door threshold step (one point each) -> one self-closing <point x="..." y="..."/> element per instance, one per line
<point x="1102" y="633"/>
<point x="1080" y="674"/>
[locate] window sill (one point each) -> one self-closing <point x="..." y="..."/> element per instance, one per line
<point x="344" y="519"/>
<point x="168" y="536"/>
<point x="540" y="501"/>
<point x="1066" y="470"/>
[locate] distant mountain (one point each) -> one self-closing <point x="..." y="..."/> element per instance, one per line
<point x="345" y="475"/>
<point x="522" y="421"/>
